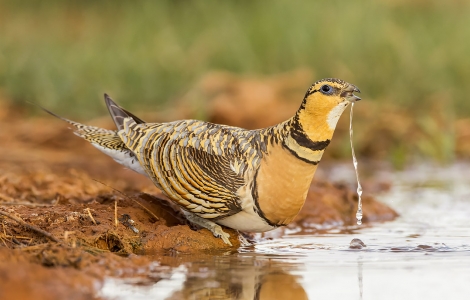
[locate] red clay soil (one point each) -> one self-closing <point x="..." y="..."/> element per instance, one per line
<point x="43" y="283"/>
<point x="51" y="271"/>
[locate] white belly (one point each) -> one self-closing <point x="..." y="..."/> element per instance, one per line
<point x="246" y="220"/>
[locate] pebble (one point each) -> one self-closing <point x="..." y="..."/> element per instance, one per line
<point x="357" y="244"/>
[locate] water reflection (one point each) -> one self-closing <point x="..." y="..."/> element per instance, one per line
<point x="238" y="276"/>
<point x="359" y="276"/>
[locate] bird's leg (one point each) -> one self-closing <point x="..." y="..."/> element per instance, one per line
<point x="243" y="241"/>
<point x="213" y="227"/>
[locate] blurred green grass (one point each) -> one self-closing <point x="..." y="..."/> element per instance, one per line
<point x="67" y="53"/>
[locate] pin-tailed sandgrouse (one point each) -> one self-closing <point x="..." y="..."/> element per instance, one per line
<point x="249" y="180"/>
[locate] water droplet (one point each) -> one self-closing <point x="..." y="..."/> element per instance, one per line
<point x="359" y="187"/>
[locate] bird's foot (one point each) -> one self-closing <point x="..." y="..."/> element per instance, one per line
<point x="216" y="230"/>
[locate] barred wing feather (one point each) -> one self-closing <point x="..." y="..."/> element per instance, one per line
<point x="192" y="162"/>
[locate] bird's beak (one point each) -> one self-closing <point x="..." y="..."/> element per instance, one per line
<point x="348" y="93"/>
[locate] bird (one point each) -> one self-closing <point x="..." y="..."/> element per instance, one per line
<point x="220" y="175"/>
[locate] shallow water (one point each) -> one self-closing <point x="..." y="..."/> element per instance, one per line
<point x="424" y="254"/>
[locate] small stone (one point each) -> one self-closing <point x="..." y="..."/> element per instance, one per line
<point x="357" y="244"/>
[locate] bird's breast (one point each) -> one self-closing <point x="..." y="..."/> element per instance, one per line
<point x="281" y="184"/>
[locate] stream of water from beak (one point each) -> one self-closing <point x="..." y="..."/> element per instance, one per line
<point x="359" y="187"/>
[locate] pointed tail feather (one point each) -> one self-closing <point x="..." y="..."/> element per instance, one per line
<point x="107" y="141"/>
<point x="82" y="130"/>
<point x="118" y="113"/>
<point x="75" y="124"/>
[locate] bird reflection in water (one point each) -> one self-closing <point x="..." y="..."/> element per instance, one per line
<point x="240" y="278"/>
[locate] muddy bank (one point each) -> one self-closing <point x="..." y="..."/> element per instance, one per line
<point x="329" y="205"/>
<point x="78" y="210"/>
<point x="143" y="223"/>
<point x="43" y="283"/>
<point x="52" y="271"/>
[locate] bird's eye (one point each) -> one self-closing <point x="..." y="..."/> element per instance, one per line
<point x="326" y="89"/>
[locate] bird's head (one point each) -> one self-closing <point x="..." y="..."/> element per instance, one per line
<point x="326" y="100"/>
<point x="331" y="92"/>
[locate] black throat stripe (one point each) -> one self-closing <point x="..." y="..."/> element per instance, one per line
<point x="313" y="162"/>
<point x="302" y="139"/>
<point x="298" y="134"/>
